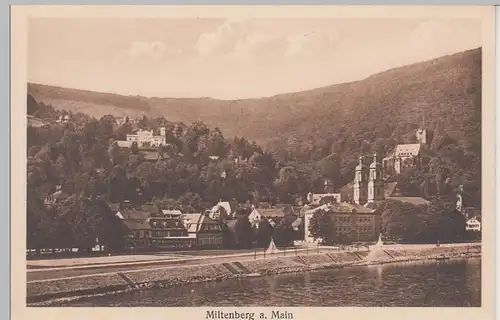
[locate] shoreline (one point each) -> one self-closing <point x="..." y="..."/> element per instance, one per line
<point x="57" y="291"/>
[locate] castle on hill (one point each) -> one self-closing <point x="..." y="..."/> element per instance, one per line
<point x="406" y="155"/>
<point x="144" y="139"/>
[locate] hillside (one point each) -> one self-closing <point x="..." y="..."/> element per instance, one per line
<point x="433" y="89"/>
<point x="322" y="132"/>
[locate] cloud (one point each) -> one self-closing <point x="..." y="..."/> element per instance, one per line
<point x="222" y="39"/>
<point x="243" y="39"/>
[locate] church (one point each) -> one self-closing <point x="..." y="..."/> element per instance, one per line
<point x="368" y="182"/>
<point x="357" y="218"/>
<point x="354" y="221"/>
<point x="406" y="155"/>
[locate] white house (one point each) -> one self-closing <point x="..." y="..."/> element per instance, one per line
<point x="254" y="217"/>
<point x="473" y="224"/>
<point x="144" y="139"/>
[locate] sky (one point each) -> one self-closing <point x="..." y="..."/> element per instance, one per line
<point x="233" y="58"/>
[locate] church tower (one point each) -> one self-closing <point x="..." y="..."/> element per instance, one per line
<point x="360" y="183"/>
<point x="375" y="183"/>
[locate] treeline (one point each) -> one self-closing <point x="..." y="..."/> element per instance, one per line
<point x="81" y="159"/>
<point x="375" y="114"/>
<point x="438" y="221"/>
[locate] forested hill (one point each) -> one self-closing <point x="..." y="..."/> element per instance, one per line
<point x="436" y="88"/>
<point x="305" y="128"/>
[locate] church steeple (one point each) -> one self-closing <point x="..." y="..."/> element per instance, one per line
<point x="360" y="183"/>
<point x="376" y="184"/>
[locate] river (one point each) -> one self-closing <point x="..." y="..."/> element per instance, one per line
<point x="453" y="283"/>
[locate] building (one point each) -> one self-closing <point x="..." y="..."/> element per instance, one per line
<point x="406" y="155"/>
<point x="206" y="231"/>
<point x="375" y="182"/>
<point x="150" y="155"/>
<point x="58" y="196"/>
<point x="221" y="211"/>
<point x="168" y="232"/>
<point x="392" y="192"/>
<point x="151" y="229"/>
<point x="254" y="218"/>
<point x="422" y="136"/>
<point x="63" y="119"/>
<point x="317" y="199"/>
<point x="174" y="214"/>
<point x="145" y="139"/>
<point x="121" y="120"/>
<point x="369" y="187"/>
<point x="473" y="224"/>
<point x="470" y="212"/>
<point x="351" y="222"/>
<point x="403" y="156"/>
<point x="360" y="186"/>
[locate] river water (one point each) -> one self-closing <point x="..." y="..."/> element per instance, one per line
<point x="453" y="283"/>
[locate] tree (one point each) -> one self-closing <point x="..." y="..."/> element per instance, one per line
<point x="111" y="232"/>
<point x="117" y="185"/>
<point x="287" y="182"/>
<point x="402" y="221"/>
<point x="284" y="235"/>
<point x="31" y="106"/>
<point x="322" y="227"/>
<point x="331" y="168"/>
<point x="82" y="220"/>
<point x="409" y="182"/>
<point x="114" y="153"/>
<point x="263" y="233"/>
<point x="442" y="222"/>
<point x="243" y="232"/>
<point x="134" y="149"/>
<point x="41" y="226"/>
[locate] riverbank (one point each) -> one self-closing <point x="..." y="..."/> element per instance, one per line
<point x="45" y="292"/>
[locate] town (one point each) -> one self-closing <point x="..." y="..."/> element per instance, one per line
<point x="225" y="161"/>
<point x="355" y="212"/>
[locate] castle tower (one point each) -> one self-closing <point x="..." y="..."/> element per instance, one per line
<point x="310" y="197"/>
<point x="360" y="183"/>
<point x="163" y="131"/>
<point x="329" y="186"/>
<point x="421" y="136"/>
<point x="375" y="183"/>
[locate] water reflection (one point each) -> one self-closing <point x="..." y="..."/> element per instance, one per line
<point x="438" y="284"/>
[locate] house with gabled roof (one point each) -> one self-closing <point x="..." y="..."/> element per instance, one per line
<point x="392" y="192"/>
<point x="473" y="224"/>
<point x="58" y="196"/>
<point x="150" y="228"/>
<point x="222" y="210"/>
<point x="206" y="231"/>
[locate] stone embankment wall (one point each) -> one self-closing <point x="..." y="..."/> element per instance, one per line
<point x="46" y="290"/>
